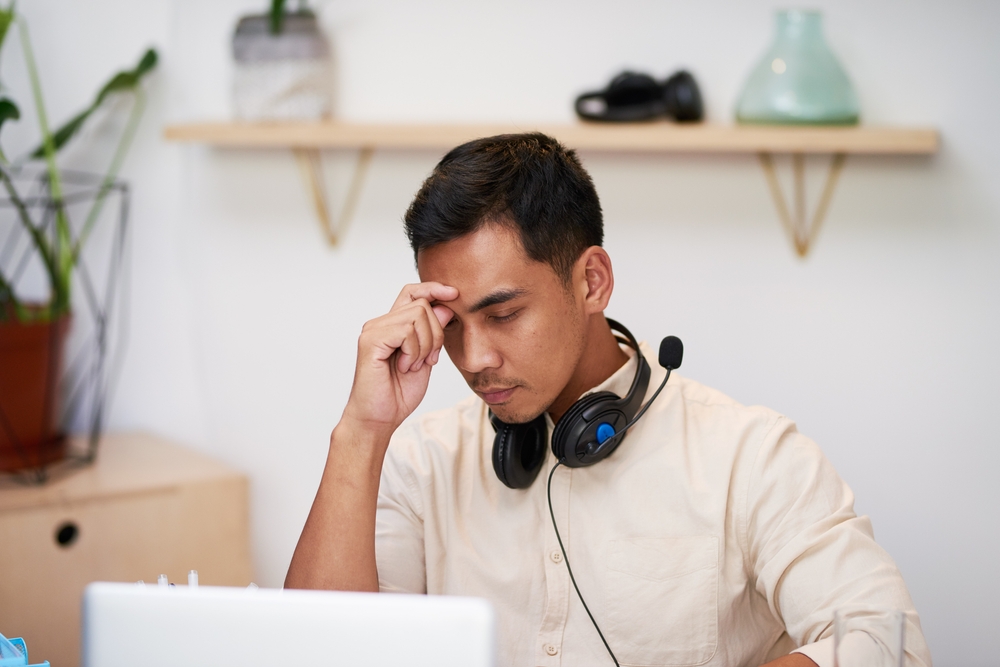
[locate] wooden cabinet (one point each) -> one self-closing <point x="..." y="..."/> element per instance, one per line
<point x="147" y="507"/>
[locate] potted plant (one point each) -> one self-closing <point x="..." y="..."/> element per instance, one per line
<point x="283" y="69"/>
<point x="33" y="332"/>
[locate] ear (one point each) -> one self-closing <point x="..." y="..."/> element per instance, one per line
<point x="594" y="278"/>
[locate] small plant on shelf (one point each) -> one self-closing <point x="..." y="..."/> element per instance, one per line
<point x="283" y="68"/>
<point x="277" y="14"/>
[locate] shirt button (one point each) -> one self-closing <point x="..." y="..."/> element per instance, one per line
<point x="556" y="558"/>
<point x="551" y="649"/>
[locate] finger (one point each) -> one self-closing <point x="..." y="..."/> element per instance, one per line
<point x="409" y="348"/>
<point x="424" y="339"/>
<point x="423" y="334"/>
<point x="393" y="335"/>
<point x="437" y="318"/>
<point x="443" y="314"/>
<point x="431" y="291"/>
<point x="410" y="334"/>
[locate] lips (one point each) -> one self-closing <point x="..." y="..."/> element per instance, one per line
<point x="496" y="396"/>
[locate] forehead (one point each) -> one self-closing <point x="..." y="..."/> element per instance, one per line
<point x="489" y="259"/>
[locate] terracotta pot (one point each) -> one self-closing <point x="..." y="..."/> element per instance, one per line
<point x="31" y="356"/>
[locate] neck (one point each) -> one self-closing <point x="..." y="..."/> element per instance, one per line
<point x="600" y="359"/>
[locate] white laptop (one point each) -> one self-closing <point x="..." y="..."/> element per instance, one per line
<point x="130" y="625"/>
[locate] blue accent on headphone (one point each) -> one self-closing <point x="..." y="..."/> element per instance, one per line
<point x="605" y="431"/>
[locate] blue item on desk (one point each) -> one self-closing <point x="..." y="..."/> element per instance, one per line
<point x="13" y="653"/>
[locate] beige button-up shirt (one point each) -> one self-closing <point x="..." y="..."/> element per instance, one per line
<point x="716" y="534"/>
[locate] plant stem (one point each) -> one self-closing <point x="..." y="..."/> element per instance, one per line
<point x="7" y="297"/>
<point x="36" y="236"/>
<point x="124" y="143"/>
<point x="63" y="245"/>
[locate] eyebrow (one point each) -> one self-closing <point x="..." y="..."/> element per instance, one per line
<point x="499" y="296"/>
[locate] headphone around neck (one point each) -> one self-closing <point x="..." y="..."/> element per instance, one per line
<point x="588" y="432"/>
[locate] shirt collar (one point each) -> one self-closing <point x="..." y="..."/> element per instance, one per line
<point x="619" y="382"/>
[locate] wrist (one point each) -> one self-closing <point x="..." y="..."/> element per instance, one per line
<point x="355" y="446"/>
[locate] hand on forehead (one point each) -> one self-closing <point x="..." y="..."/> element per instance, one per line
<point x="488" y="267"/>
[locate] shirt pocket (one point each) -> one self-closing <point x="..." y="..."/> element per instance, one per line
<point x="662" y="600"/>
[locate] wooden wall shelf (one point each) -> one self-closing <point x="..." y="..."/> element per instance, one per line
<point x="307" y="139"/>
<point x="655" y="137"/>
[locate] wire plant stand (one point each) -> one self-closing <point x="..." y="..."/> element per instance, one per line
<point x="97" y="211"/>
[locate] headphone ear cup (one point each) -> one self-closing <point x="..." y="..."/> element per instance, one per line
<point x="518" y="451"/>
<point x="683" y="98"/>
<point x="571" y="427"/>
<point x="629" y="97"/>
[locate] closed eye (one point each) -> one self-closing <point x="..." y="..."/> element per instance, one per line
<point x="500" y="319"/>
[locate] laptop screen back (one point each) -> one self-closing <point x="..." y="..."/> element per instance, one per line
<point x="125" y="625"/>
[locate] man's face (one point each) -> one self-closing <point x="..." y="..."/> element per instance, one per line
<point x="518" y="330"/>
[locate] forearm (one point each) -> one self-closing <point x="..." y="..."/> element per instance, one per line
<point x="336" y="550"/>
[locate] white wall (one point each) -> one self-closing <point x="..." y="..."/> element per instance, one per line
<point x="881" y="345"/>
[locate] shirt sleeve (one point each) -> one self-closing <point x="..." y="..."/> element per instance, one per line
<point x="399" y="526"/>
<point x="811" y="555"/>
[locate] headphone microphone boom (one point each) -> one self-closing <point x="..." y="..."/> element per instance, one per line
<point x="671" y="354"/>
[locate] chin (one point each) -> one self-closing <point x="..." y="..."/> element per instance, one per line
<point x="512" y="414"/>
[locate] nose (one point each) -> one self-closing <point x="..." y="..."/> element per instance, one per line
<point x="475" y="352"/>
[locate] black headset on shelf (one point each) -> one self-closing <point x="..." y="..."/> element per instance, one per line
<point x="633" y="97"/>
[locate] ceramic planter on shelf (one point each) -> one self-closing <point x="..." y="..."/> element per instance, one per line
<point x="799" y="80"/>
<point x="284" y="76"/>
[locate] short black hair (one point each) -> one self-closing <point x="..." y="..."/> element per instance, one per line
<point x="528" y="181"/>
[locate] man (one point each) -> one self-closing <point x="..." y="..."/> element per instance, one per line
<point x="715" y="534"/>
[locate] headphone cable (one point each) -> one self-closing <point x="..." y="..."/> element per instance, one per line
<point x="548" y="493"/>
<point x="646" y="406"/>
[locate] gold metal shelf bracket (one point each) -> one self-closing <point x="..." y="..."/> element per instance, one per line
<point x="311" y="164"/>
<point x="800" y="230"/>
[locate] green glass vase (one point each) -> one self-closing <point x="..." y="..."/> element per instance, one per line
<point x="799" y="80"/>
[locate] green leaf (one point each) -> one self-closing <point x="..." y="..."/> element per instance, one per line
<point x="8" y="111"/>
<point x="6" y="18"/>
<point x="120" y="82"/>
<point x="277" y="16"/>
<point x="129" y="79"/>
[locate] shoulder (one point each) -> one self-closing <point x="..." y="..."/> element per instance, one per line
<point x="776" y="469"/>
<point x="699" y="401"/>
<point x="430" y="439"/>
<point x="711" y="408"/>
<point x="748" y="440"/>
